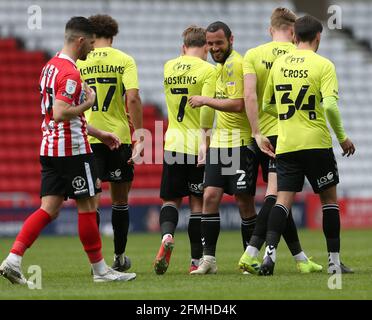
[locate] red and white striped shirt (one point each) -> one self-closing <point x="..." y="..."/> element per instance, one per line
<point x="60" y="79"/>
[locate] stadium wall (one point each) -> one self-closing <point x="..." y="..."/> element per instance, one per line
<point x="143" y="218"/>
<point x="356" y="213"/>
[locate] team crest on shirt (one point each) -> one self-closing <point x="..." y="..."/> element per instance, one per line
<point x="231" y="88"/>
<point x="71" y="86"/>
<point x="79" y="185"/>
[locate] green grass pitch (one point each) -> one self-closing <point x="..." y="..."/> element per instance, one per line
<point x="66" y="272"/>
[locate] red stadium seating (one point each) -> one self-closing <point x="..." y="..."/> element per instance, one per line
<point x="20" y="122"/>
<point x="19" y="118"/>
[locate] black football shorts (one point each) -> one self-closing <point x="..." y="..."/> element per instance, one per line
<point x="319" y="166"/>
<point x="72" y="177"/>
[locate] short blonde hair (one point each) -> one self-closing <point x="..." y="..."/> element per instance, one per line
<point x="282" y="18"/>
<point x="194" y="36"/>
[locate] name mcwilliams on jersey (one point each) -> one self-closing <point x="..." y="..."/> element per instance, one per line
<point x="102" y="69"/>
<point x="327" y="179"/>
<point x="268" y="64"/>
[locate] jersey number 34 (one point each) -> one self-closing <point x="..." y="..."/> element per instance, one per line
<point x="298" y="103"/>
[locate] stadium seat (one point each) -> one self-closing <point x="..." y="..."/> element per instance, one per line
<point x="152" y="39"/>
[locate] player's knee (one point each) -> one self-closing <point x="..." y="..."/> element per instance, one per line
<point x="328" y="196"/>
<point x="53" y="214"/>
<point x="51" y="207"/>
<point x="246" y="206"/>
<point x="86" y="204"/>
<point x="210" y="201"/>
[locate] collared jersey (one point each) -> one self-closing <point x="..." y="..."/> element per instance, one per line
<point x="61" y="80"/>
<point x="232" y="128"/>
<point x="300" y="80"/>
<point x="110" y="72"/>
<point x="259" y="61"/>
<point x="184" y="77"/>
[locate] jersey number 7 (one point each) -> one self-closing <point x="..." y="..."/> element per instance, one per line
<point x="181" y="109"/>
<point x="298" y="103"/>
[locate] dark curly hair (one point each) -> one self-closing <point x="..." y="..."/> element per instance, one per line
<point x="104" y="25"/>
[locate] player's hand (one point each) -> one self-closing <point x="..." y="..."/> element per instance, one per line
<point x="110" y="140"/>
<point x="196" y="101"/>
<point x="202" y="155"/>
<point x="90" y="95"/>
<point x="137" y="152"/>
<point x="347" y="147"/>
<point x="265" y="145"/>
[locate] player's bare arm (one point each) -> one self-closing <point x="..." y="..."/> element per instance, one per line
<point x="63" y="111"/>
<point x="204" y="145"/>
<point x="251" y="108"/>
<point x="135" y="114"/>
<point x="251" y="104"/>
<point x="226" y="105"/>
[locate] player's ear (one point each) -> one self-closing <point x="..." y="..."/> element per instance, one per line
<point x="295" y="40"/>
<point x="206" y="50"/>
<point x="231" y="39"/>
<point x="80" y="40"/>
<point x="271" y="31"/>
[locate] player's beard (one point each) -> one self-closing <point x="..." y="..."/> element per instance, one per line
<point x="225" y="54"/>
<point x="84" y="51"/>
<point x="83" y="54"/>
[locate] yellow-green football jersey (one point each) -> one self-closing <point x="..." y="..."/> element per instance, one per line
<point x="110" y="72"/>
<point x="299" y="80"/>
<point x="184" y="77"/>
<point x="232" y="128"/>
<point x="259" y="61"/>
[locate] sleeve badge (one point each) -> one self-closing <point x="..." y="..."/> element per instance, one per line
<point x="71" y="86"/>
